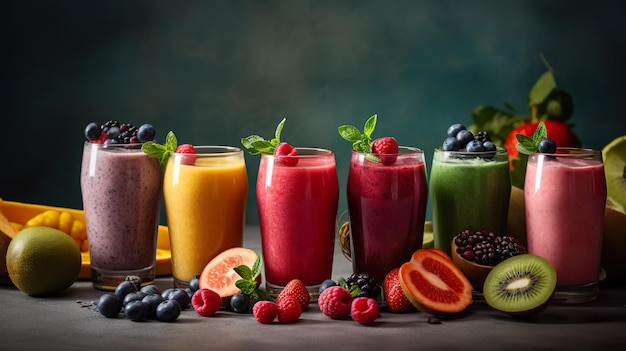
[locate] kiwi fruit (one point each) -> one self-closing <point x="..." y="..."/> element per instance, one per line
<point x="521" y="285"/>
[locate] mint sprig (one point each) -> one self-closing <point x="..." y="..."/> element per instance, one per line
<point x="256" y="144"/>
<point x="162" y="152"/>
<point x="530" y="144"/>
<point x="361" y="142"/>
<point x="248" y="281"/>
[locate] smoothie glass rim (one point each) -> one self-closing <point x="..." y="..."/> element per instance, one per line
<point x="213" y="150"/>
<point x="570" y="152"/>
<point x="406" y="150"/>
<point x="486" y="155"/>
<point x="305" y="152"/>
<point x="115" y="146"/>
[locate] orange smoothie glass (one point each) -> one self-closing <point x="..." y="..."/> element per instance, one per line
<point x="297" y="202"/>
<point x="205" y="203"/>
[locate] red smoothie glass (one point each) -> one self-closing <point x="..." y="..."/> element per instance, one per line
<point x="297" y="200"/>
<point x="565" y="197"/>
<point x="121" y="187"/>
<point x="387" y="206"/>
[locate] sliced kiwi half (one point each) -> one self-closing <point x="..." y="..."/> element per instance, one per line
<point x="521" y="285"/>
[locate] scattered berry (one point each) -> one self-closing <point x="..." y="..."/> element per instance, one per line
<point x="483" y="137"/>
<point x="136" y="311"/>
<point x="284" y="149"/>
<point x="206" y="302"/>
<point x="168" y="311"/>
<point x="92" y="131"/>
<point x="135" y="280"/>
<point x="464" y="137"/>
<point x="485" y="248"/>
<point x="547" y="146"/>
<point x="194" y="283"/>
<point x="396" y="299"/>
<point x="474" y="146"/>
<point x="327" y="284"/>
<point x="454" y="129"/>
<point x="265" y="311"/>
<point x="489" y="146"/>
<point x="146" y="132"/>
<point x="124" y="288"/>
<point x="134" y="296"/>
<point x="151" y="289"/>
<point x="364" y="310"/>
<point x="334" y="302"/>
<point x="289" y="309"/>
<point x="240" y="303"/>
<point x="297" y="290"/>
<point x="109" y="305"/>
<point x="451" y="144"/>
<point x="387" y="150"/>
<point x="181" y="296"/>
<point x="189" y="154"/>
<point x="152" y="301"/>
<point x="363" y="285"/>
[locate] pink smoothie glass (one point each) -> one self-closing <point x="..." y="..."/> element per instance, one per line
<point x="565" y="197"/>
<point x="387" y="207"/>
<point x="297" y="199"/>
<point x="121" y="187"/>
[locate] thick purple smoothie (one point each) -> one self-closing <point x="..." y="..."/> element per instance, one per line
<point x="120" y="189"/>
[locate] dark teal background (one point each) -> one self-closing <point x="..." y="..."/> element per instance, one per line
<point x="215" y="71"/>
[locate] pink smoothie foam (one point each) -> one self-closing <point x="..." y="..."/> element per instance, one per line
<point x="564" y="216"/>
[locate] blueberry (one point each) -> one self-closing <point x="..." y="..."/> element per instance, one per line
<point x="168" y="311"/>
<point x="167" y="292"/>
<point x="133" y="296"/>
<point x="547" y="146"/>
<point x="92" y="131"/>
<point x="181" y="296"/>
<point x="152" y="301"/>
<point x="124" y="288"/>
<point x="240" y="303"/>
<point x="146" y="132"/>
<point x="474" y="146"/>
<point x="489" y="146"/>
<point x="151" y="289"/>
<point x="113" y="132"/>
<point x="194" y="283"/>
<point x="454" y="129"/>
<point x="109" y="305"/>
<point x="136" y="311"/>
<point x="326" y="284"/>
<point x="451" y="144"/>
<point x="464" y="137"/>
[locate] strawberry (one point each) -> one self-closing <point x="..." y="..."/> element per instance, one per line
<point x="296" y="290"/>
<point x="289" y="309"/>
<point x="265" y="311"/>
<point x="206" y="302"/>
<point x="387" y="149"/>
<point x="364" y="310"/>
<point x="284" y="149"/>
<point x="334" y="302"/>
<point x="189" y="159"/>
<point x="396" y="299"/>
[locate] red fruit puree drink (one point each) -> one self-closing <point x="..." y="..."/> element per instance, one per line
<point x="120" y="187"/>
<point x="297" y="213"/>
<point x="387" y="206"/>
<point x="565" y="196"/>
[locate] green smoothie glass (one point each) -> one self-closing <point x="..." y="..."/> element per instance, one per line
<point x="468" y="190"/>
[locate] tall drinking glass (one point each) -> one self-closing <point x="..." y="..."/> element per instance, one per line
<point x="205" y="202"/>
<point x="120" y="187"/>
<point x="565" y="197"/>
<point x="297" y="200"/>
<point x="469" y="190"/>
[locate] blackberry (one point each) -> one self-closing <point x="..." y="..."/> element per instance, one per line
<point x="362" y="285"/>
<point x="485" y="248"/>
<point x="482" y="137"/>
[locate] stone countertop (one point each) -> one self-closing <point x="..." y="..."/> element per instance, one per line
<point x="67" y="321"/>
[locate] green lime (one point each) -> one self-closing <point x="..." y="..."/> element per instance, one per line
<point x="614" y="155"/>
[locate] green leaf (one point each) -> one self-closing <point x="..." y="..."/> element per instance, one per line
<point x="279" y="129"/>
<point x="256" y="268"/>
<point x="542" y="88"/>
<point x="540" y="133"/>
<point x="161" y="152"/>
<point x="170" y="141"/>
<point x="349" y="133"/>
<point x="245" y="286"/>
<point x="244" y="272"/>
<point x="256" y="144"/>
<point x="370" y="125"/>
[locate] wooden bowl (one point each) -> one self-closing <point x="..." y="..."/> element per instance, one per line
<point x="475" y="273"/>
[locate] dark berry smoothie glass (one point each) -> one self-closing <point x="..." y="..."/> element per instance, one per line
<point x="121" y="187"/>
<point x="387" y="206"/>
<point x="297" y="199"/>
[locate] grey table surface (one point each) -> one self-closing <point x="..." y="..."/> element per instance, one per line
<point x="62" y="322"/>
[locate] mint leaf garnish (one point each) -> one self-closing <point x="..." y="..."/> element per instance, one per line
<point x="256" y="144"/>
<point x="162" y="152"/>
<point x="248" y="281"/>
<point x="528" y="145"/>
<point x="361" y="142"/>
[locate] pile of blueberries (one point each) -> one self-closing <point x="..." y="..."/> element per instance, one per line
<point x="460" y="138"/>
<point x="114" y="132"/>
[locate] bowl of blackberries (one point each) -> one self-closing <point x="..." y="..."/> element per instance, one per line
<point x="477" y="252"/>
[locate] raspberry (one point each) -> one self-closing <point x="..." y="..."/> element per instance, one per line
<point x="335" y="302"/>
<point x="284" y="149"/>
<point x="289" y="309"/>
<point x="297" y="290"/>
<point x="387" y="149"/>
<point x="364" y="310"/>
<point x="206" y="302"/>
<point x="265" y="311"/>
<point x="190" y="154"/>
